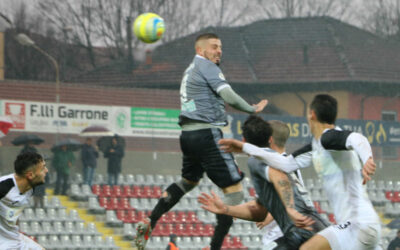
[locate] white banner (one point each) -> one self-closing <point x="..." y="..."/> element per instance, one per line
<point x="53" y="118"/>
<point x="47" y="117"/>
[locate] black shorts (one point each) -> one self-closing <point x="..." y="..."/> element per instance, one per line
<point x="201" y="153"/>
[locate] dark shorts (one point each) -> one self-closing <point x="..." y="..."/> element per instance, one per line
<point x="293" y="239"/>
<point x="201" y="153"/>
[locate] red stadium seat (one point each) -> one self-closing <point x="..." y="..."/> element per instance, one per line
<point x="208" y="230"/>
<point x="396" y="196"/>
<point x="137" y="192"/>
<point x="389" y="195"/>
<point x="226" y="244"/>
<point x="172" y="217"/>
<point x="141" y="215"/>
<point x="163" y="219"/>
<point x="112" y="203"/>
<point x="161" y="230"/>
<point x="126" y="191"/>
<point x="252" y="192"/>
<point x="157" y="230"/>
<point x="181" y="217"/>
<point x="332" y="218"/>
<point x="189" y="230"/>
<point x="192" y="218"/>
<point x="237" y="244"/>
<point x="157" y="192"/>
<point x="169" y="217"/>
<point x="96" y="189"/>
<point x="179" y="230"/>
<point x="123" y="204"/>
<point x="121" y="215"/>
<point x="106" y="191"/>
<point x="131" y="217"/>
<point x="169" y="229"/>
<point x="103" y="201"/>
<point x="147" y="192"/>
<point x="116" y="191"/>
<point x="317" y="207"/>
<point x="199" y="229"/>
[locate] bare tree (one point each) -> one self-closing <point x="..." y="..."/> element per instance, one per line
<point x="382" y="17"/>
<point x="104" y="22"/>
<point x="21" y="19"/>
<point x="91" y="24"/>
<point x="340" y="9"/>
<point x="77" y="15"/>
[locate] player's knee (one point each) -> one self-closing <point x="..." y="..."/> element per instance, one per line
<point x="186" y="185"/>
<point x="315" y="243"/>
<point x="234" y="198"/>
<point x="178" y="189"/>
<point x="305" y="246"/>
<point x="173" y="193"/>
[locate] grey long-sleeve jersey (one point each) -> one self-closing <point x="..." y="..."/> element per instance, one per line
<point x="202" y="93"/>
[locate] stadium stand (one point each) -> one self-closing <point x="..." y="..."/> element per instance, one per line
<point x="104" y="217"/>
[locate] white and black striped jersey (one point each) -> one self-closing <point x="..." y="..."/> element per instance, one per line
<point x="336" y="159"/>
<point x="12" y="203"/>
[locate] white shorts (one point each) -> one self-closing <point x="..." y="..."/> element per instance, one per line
<point x="351" y="235"/>
<point x="24" y="243"/>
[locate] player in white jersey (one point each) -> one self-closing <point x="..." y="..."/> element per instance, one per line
<point x="15" y="191"/>
<point x="335" y="155"/>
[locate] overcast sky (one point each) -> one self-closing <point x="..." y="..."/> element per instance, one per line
<point x="7" y="5"/>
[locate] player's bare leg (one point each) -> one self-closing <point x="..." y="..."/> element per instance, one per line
<point x="317" y="242"/>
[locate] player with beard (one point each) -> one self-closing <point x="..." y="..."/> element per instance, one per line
<point x="15" y="191"/>
<point x="203" y="93"/>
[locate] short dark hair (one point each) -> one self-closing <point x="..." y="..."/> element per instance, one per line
<point x="257" y="131"/>
<point x="206" y="36"/>
<point x="325" y="107"/>
<point x="25" y="161"/>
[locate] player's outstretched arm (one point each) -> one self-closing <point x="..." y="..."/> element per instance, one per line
<point x="260" y="106"/>
<point x="231" y="145"/>
<point x="251" y="210"/>
<point x="237" y="102"/>
<point x="276" y="160"/>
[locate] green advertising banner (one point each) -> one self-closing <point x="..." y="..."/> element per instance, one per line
<point x="155" y="122"/>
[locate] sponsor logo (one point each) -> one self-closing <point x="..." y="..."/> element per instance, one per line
<point x="121" y="120"/>
<point x="16" y="111"/>
<point x="375" y="133"/>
